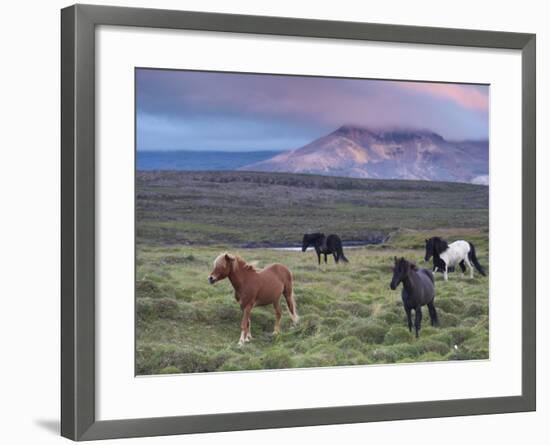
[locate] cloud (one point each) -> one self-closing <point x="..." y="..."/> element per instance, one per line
<point x="203" y="109"/>
<point x="467" y="96"/>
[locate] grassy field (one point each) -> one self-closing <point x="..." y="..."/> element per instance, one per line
<point x="349" y="315"/>
<point x="266" y="209"/>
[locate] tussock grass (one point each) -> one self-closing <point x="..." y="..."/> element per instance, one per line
<point x="349" y="315"/>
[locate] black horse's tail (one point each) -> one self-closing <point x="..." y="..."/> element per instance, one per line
<point x="473" y="258"/>
<point x="340" y="253"/>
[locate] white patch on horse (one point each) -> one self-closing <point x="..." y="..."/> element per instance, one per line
<point x="454" y="254"/>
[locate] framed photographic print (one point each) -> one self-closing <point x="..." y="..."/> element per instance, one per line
<point x="339" y="207"/>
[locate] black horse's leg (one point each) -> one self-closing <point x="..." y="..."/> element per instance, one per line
<point x="325" y="258"/>
<point x="462" y="266"/>
<point x="335" y="255"/>
<point x="409" y="318"/>
<point x="318" y="252"/>
<point x="433" y="314"/>
<point x="417" y="320"/>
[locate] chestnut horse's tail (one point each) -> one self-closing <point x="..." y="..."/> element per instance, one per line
<point x="290" y="301"/>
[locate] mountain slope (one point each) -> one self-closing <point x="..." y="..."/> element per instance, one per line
<point x="386" y="154"/>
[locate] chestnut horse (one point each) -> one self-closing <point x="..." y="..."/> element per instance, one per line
<point x="255" y="287"/>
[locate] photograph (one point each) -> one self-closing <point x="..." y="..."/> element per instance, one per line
<point x="297" y="221"/>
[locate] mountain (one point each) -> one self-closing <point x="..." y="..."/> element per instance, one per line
<point x="361" y="152"/>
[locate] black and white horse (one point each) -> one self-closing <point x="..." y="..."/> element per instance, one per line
<point x="447" y="256"/>
<point x="418" y="290"/>
<point x="325" y="245"/>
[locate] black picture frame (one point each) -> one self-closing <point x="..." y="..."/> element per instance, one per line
<point x="78" y="23"/>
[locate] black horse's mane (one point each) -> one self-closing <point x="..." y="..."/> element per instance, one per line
<point x="413" y="266"/>
<point x="314" y="236"/>
<point x="439" y="245"/>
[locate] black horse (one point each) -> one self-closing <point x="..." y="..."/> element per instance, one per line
<point x="325" y="245"/>
<point x="418" y="290"/>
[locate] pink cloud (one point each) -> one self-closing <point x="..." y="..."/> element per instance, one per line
<point x="463" y="95"/>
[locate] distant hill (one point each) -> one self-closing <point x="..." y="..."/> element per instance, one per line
<point x="360" y="152"/>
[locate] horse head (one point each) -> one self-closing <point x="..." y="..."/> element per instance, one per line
<point x="223" y="265"/>
<point x="309" y="239"/>
<point x="429" y="249"/>
<point x="435" y="245"/>
<point x="400" y="270"/>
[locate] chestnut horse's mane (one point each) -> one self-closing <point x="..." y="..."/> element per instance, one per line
<point x="239" y="261"/>
<point x="248" y="266"/>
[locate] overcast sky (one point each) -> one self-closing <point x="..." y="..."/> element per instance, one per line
<point x="193" y="110"/>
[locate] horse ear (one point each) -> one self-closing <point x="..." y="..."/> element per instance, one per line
<point x="427" y="240"/>
<point x="229" y="257"/>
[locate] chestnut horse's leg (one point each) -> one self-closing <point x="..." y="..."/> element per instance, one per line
<point x="248" y="331"/>
<point x="244" y="324"/>
<point x="278" y="314"/>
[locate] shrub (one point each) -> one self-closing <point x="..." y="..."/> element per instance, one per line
<point x="277" y="359"/>
<point x="185" y="359"/>
<point x="392" y="317"/>
<point x="148" y="289"/>
<point x="460" y="334"/>
<point x="338" y="313"/>
<point x="450" y="305"/>
<point x="263" y="321"/>
<point x="430" y="357"/>
<point x="365" y="330"/>
<point x="332" y="322"/>
<point x="429" y="345"/>
<point x="354" y="308"/>
<point x="170" y="370"/>
<point x="350" y="343"/>
<point x="166" y="308"/>
<point x="474" y="310"/>
<point x="144" y="309"/>
<point x="397" y="335"/>
<point x="174" y="259"/>
<point x="443" y="337"/>
<point x="370" y="332"/>
<point x="428" y="330"/>
<point x="240" y="362"/>
<point x="193" y="360"/>
<point x="360" y="296"/>
<point x="404" y="350"/>
<point x="462" y="353"/>
<point x="316" y="360"/>
<point x="306" y="296"/>
<point x="446" y="319"/>
<point x="383" y="355"/>
<point x="309" y="325"/>
<point x="469" y="322"/>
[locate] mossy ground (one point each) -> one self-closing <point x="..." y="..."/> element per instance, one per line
<point x="349" y="315"/>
